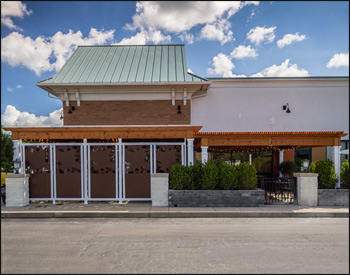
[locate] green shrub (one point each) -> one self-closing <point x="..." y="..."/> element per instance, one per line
<point x="288" y="168"/>
<point x="312" y="167"/>
<point x="210" y="175"/>
<point x="197" y="175"/>
<point x="327" y="177"/>
<point x="228" y="177"/>
<point x="177" y="178"/>
<point x="246" y="175"/>
<point x="344" y="174"/>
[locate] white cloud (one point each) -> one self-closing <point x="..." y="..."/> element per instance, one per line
<point x="188" y="37"/>
<point x="289" y="39"/>
<point x="339" y="60"/>
<point x="44" y="54"/>
<point x="261" y="34"/>
<point x="222" y="66"/>
<point x="144" y="36"/>
<point x="243" y="52"/>
<point x="11" y="89"/>
<point x="190" y="71"/>
<point x="219" y="30"/>
<point x="180" y="16"/>
<point x="13" y="9"/>
<point x="14" y="117"/>
<point x="283" y="70"/>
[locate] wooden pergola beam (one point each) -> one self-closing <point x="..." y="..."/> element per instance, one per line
<point x="301" y="139"/>
<point x="66" y="133"/>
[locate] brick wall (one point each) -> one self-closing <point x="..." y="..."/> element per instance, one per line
<point x="136" y="112"/>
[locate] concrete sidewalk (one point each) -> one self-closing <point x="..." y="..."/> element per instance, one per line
<point x="145" y="210"/>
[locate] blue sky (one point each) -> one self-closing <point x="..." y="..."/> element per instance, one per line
<point x="223" y="39"/>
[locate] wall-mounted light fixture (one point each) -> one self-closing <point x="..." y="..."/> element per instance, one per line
<point x="286" y="107"/>
<point x="72" y="108"/>
<point x="179" y="109"/>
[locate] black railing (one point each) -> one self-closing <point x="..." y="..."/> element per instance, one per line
<point x="279" y="190"/>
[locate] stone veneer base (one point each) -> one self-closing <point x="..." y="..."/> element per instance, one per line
<point x="216" y="198"/>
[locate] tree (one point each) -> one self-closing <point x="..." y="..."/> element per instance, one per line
<point x="6" y="151"/>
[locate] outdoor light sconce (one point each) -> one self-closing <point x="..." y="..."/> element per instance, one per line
<point x="286" y="107"/>
<point x="17" y="164"/>
<point x="71" y="109"/>
<point x="179" y="109"/>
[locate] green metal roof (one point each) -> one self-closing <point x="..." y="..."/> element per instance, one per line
<point x="125" y="64"/>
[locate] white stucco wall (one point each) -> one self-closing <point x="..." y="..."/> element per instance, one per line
<point x="240" y="105"/>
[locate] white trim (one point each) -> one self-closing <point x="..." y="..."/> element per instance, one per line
<point x="116" y="171"/>
<point x="43" y="85"/>
<point x="151" y="159"/>
<point x="77" y="97"/>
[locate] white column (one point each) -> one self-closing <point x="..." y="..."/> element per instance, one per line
<point x="190" y="151"/>
<point x="281" y="160"/>
<point x="204" y="154"/>
<point x="250" y="159"/>
<point x="336" y="160"/>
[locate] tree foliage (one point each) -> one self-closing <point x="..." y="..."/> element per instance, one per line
<point x="6" y="151"/>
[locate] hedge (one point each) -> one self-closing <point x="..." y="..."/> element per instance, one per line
<point x="213" y="175"/>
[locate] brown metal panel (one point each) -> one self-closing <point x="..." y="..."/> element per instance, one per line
<point x="68" y="172"/>
<point x="102" y="171"/>
<point x="38" y="162"/>
<point x="167" y="155"/>
<point x="137" y="171"/>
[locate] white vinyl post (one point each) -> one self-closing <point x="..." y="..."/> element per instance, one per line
<point x="120" y="170"/>
<point x="250" y="158"/>
<point x="204" y="154"/>
<point x="281" y="160"/>
<point x="86" y="170"/>
<point x="336" y="160"/>
<point x="190" y="151"/>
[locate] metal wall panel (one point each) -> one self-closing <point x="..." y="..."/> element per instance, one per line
<point x="102" y="172"/>
<point x="68" y="172"/>
<point x="37" y="163"/>
<point x="137" y="171"/>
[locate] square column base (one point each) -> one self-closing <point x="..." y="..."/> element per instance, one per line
<point x="17" y="190"/>
<point x="307" y="188"/>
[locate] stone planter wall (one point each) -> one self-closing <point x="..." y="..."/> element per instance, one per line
<point x="216" y="198"/>
<point x="333" y="197"/>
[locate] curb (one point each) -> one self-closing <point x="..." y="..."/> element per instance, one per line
<point x="166" y="214"/>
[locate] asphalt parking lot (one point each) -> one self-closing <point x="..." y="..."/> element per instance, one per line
<point x="217" y="245"/>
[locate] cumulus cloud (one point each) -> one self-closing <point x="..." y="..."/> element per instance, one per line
<point x="44" y="54"/>
<point x="222" y="66"/>
<point x="283" y="70"/>
<point x="219" y="30"/>
<point x="243" y="52"/>
<point x="289" y="39"/>
<point x="188" y="37"/>
<point x="14" y="117"/>
<point x="180" y="16"/>
<point x="261" y="34"/>
<point x="338" y="60"/>
<point x="19" y="86"/>
<point x="13" y="9"/>
<point x="144" y="36"/>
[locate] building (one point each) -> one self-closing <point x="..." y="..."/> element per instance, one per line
<point x="130" y="111"/>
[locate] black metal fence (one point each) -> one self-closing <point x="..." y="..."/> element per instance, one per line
<point x="279" y="190"/>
